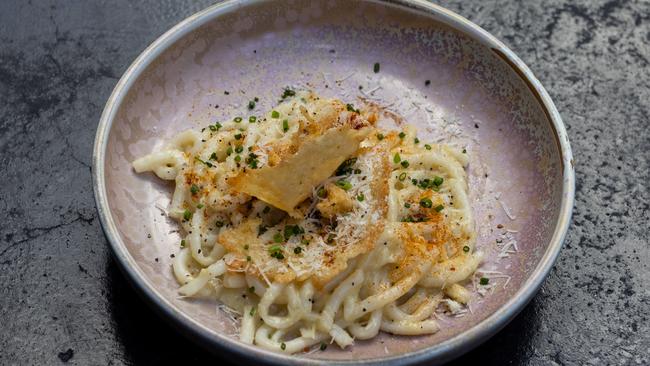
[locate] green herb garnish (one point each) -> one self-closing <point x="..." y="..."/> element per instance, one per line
<point x="207" y="163"/>
<point x="426" y="203"/>
<point x="351" y="108"/>
<point x="344" y="184"/>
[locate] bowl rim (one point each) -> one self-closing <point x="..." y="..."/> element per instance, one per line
<point x="438" y="353"/>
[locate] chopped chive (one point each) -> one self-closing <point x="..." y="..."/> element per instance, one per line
<point x="187" y="215"/>
<point x="207" y="163"/>
<point x="297" y="250"/>
<point x="212" y="128"/>
<point x="344" y="184"/>
<point x="200" y="205"/>
<point x="464" y="151"/>
<point x="351" y="108"/>
<point x="375" y="67"/>
<point x="252" y="312"/>
<point x="402" y="177"/>
<point x="237" y="159"/>
<point x="246" y="247"/>
<point x="484" y="281"/>
<point x="361" y="197"/>
<point x="248" y="258"/>
<point x="405" y="164"/>
<point x="323" y="346"/>
<point x="285" y="125"/>
<point x="283" y="346"/>
<point x="194" y="189"/>
<point x="304" y="242"/>
<point x="402" y="135"/>
<point x="416" y="140"/>
<point x="251" y="104"/>
<point x="183" y="243"/>
<point x="229" y="151"/>
<point x="321" y="192"/>
<point x="288" y="92"/>
<point x="213" y="156"/>
<point x="238" y="136"/>
<point x="465" y="249"/>
<point x="380" y="136"/>
<point x="407" y="205"/>
<point x="237" y="119"/>
<point x="439" y="208"/>
<point x="414" y="181"/>
<point x="396" y="158"/>
<point x="426" y="203"/>
<point x="252" y="119"/>
<point x="438" y="181"/>
<point x="427" y="146"/>
<point x="219" y="224"/>
<point x="217" y="125"/>
<point x="239" y="149"/>
<point x="275" y="114"/>
<point x="277" y="238"/>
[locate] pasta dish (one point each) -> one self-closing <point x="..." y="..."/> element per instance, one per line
<point x="315" y="225"/>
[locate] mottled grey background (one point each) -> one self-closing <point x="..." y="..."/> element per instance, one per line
<point x="62" y="297"/>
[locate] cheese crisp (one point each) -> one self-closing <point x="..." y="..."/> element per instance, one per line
<point x="315" y="225"/>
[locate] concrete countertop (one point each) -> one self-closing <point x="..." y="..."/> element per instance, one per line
<point x="63" y="299"/>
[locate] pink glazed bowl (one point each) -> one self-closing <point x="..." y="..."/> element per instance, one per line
<point x="521" y="170"/>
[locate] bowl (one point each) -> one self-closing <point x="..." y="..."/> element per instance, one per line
<point x="442" y="73"/>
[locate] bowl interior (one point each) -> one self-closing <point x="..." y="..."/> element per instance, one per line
<point x="474" y="100"/>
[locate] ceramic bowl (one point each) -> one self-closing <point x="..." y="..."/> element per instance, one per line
<point x="442" y="73"/>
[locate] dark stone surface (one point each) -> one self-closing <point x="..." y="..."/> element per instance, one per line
<point x="62" y="298"/>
